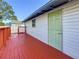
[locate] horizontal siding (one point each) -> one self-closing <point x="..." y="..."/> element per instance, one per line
<point x="71" y="30"/>
<point x="14" y="28"/>
<point x="41" y="29"/>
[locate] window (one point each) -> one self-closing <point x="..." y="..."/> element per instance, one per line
<point x="33" y="22"/>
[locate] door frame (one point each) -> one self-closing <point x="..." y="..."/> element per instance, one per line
<point x="61" y="28"/>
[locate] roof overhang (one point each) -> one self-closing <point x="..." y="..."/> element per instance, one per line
<point x="52" y="4"/>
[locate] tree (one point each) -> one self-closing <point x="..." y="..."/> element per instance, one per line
<point x="6" y="11"/>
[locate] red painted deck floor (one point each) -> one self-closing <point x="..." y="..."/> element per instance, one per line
<point x="26" y="47"/>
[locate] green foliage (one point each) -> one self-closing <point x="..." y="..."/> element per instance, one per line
<point x="6" y="11"/>
<point x="0" y="0"/>
<point x="2" y="24"/>
<point x="14" y="17"/>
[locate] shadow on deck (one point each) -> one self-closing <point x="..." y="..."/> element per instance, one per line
<point x="24" y="46"/>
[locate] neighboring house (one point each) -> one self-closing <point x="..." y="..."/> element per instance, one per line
<point x="57" y="24"/>
<point x="14" y="26"/>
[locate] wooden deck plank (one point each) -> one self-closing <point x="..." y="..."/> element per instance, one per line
<point x="24" y="46"/>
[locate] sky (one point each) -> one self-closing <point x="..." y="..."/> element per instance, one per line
<point x="23" y="8"/>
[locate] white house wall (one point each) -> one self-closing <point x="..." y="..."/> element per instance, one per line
<point x="71" y="29"/>
<point x="41" y="29"/>
<point x="14" y="28"/>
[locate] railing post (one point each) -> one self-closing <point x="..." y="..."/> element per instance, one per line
<point x="18" y="29"/>
<point x="25" y="29"/>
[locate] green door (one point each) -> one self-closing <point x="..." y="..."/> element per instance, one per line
<point x="55" y="32"/>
